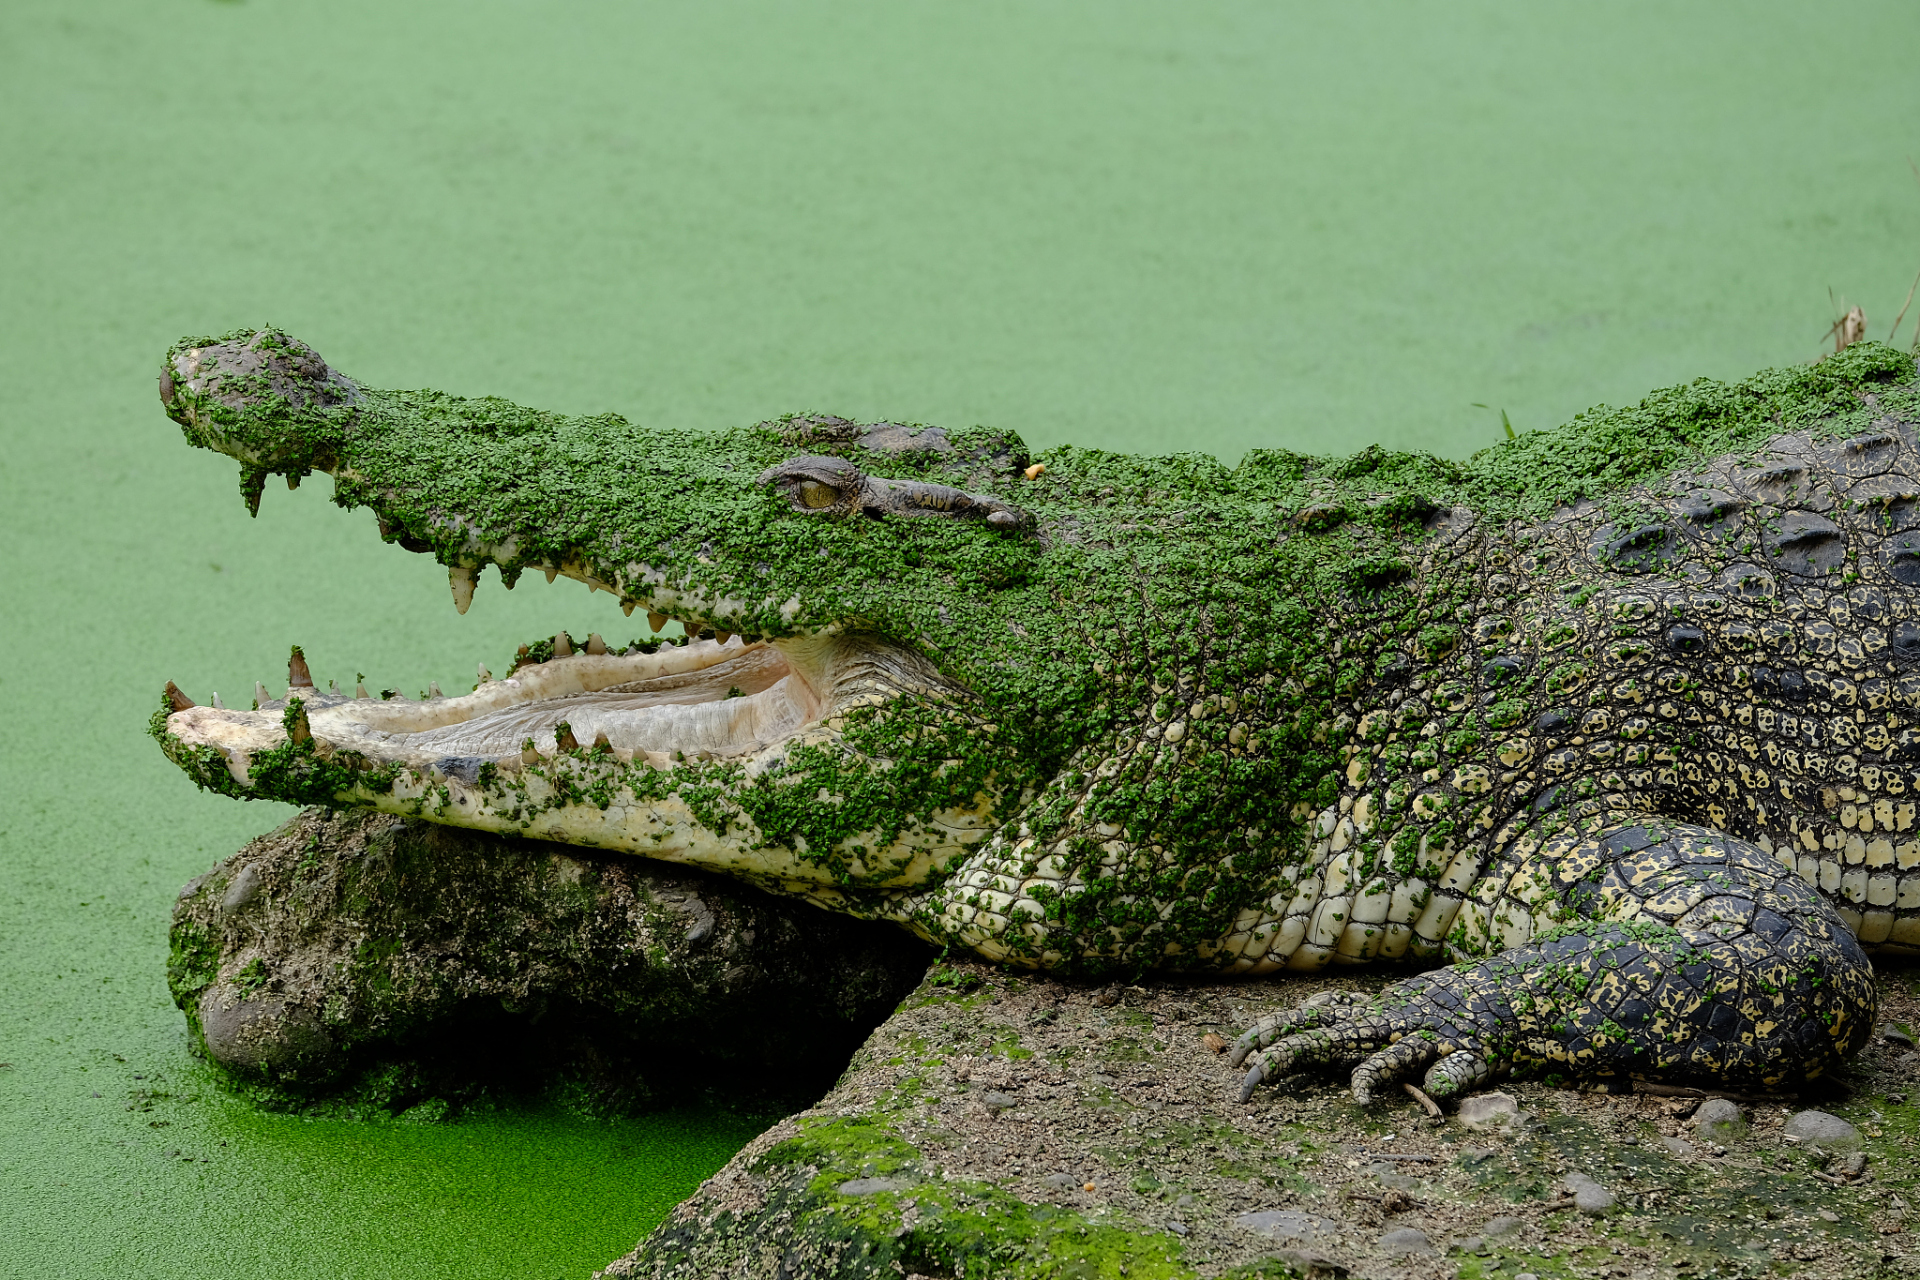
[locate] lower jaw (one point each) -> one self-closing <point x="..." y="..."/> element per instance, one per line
<point x="663" y="801"/>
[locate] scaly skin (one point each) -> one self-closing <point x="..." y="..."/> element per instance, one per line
<point x="1614" y="717"/>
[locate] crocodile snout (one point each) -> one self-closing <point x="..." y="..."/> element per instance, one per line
<point x="239" y="393"/>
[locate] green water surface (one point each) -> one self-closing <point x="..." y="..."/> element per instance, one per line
<point x="1145" y="226"/>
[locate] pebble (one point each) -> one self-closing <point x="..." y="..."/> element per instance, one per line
<point x="1896" y="1037"/>
<point x="1406" y="1240"/>
<point x="1680" y="1147"/>
<point x="1589" y="1197"/>
<point x="1286" y="1224"/>
<point x="1178" y="1227"/>
<point x="1484" y="1110"/>
<point x="1061" y="1181"/>
<point x="1388" y="1175"/>
<point x="998" y="1101"/>
<point x="1719" y="1120"/>
<point x="1829" y="1132"/>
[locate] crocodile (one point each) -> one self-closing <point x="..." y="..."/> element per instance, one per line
<point x="1611" y="733"/>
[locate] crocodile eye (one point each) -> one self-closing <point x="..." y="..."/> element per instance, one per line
<point x="816" y="483"/>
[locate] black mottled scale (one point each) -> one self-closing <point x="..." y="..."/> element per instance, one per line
<point x="1693" y="956"/>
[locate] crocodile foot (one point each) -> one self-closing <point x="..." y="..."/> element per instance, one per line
<point x="1698" y="959"/>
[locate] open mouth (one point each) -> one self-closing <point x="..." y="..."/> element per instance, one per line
<point x="654" y="705"/>
<point x="633" y="751"/>
<point x="782" y="739"/>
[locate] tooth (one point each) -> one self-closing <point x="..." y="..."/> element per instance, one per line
<point x="520" y="658"/>
<point x="217" y="704"/>
<point x="433" y="689"/>
<point x="293" y="479"/>
<point x="176" y="699"/>
<point x="563" y="645"/>
<point x="658" y="621"/>
<point x="626" y="607"/>
<point x="461" y="579"/>
<point x="299" y="730"/>
<point x="253" y="483"/>
<point x="722" y="637"/>
<point x="360" y="690"/>
<point x="601" y="742"/>
<point x="595" y="645"/>
<point x="333" y="687"/>
<point x="484" y="674"/>
<point x="259" y="695"/>
<point x="529" y="754"/>
<point x="563" y="737"/>
<point x="552" y="571"/>
<point x="298" y="677"/>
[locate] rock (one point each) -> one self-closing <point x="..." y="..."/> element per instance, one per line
<point x="997" y="1101"/>
<point x="1405" y="1240"/>
<point x="1680" y="1147"/>
<point x="241" y="890"/>
<point x="1526" y="1275"/>
<point x="1589" y="1197"/>
<point x="1827" y="1132"/>
<point x="266" y="1035"/>
<point x="872" y="1186"/>
<point x="1502" y="1226"/>
<point x="1486" y="1110"/>
<point x="1472" y="1244"/>
<point x="1896" y="1037"/>
<point x="1062" y="1181"/>
<point x="1286" y="1224"/>
<point x="1176" y="1226"/>
<point x="383" y="961"/>
<point x="1854" y="1165"/>
<point x="1720" y="1120"/>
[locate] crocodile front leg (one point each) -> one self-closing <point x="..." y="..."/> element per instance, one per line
<point x="1681" y="954"/>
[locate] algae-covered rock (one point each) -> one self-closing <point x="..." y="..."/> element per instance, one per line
<point x="1021" y="1127"/>
<point x="387" y="960"/>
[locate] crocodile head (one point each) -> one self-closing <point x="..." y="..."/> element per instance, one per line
<point x="847" y="593"/>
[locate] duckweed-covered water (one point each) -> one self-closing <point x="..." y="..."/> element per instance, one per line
<point x="1151" y="227"/>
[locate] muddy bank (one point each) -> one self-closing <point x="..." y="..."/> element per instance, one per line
<point x="1010" y="1126"/>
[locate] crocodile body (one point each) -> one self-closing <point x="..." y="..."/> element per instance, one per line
<point x="1614" y="718"/>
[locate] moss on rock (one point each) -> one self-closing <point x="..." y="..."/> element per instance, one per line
<point x="376" y="962"/>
